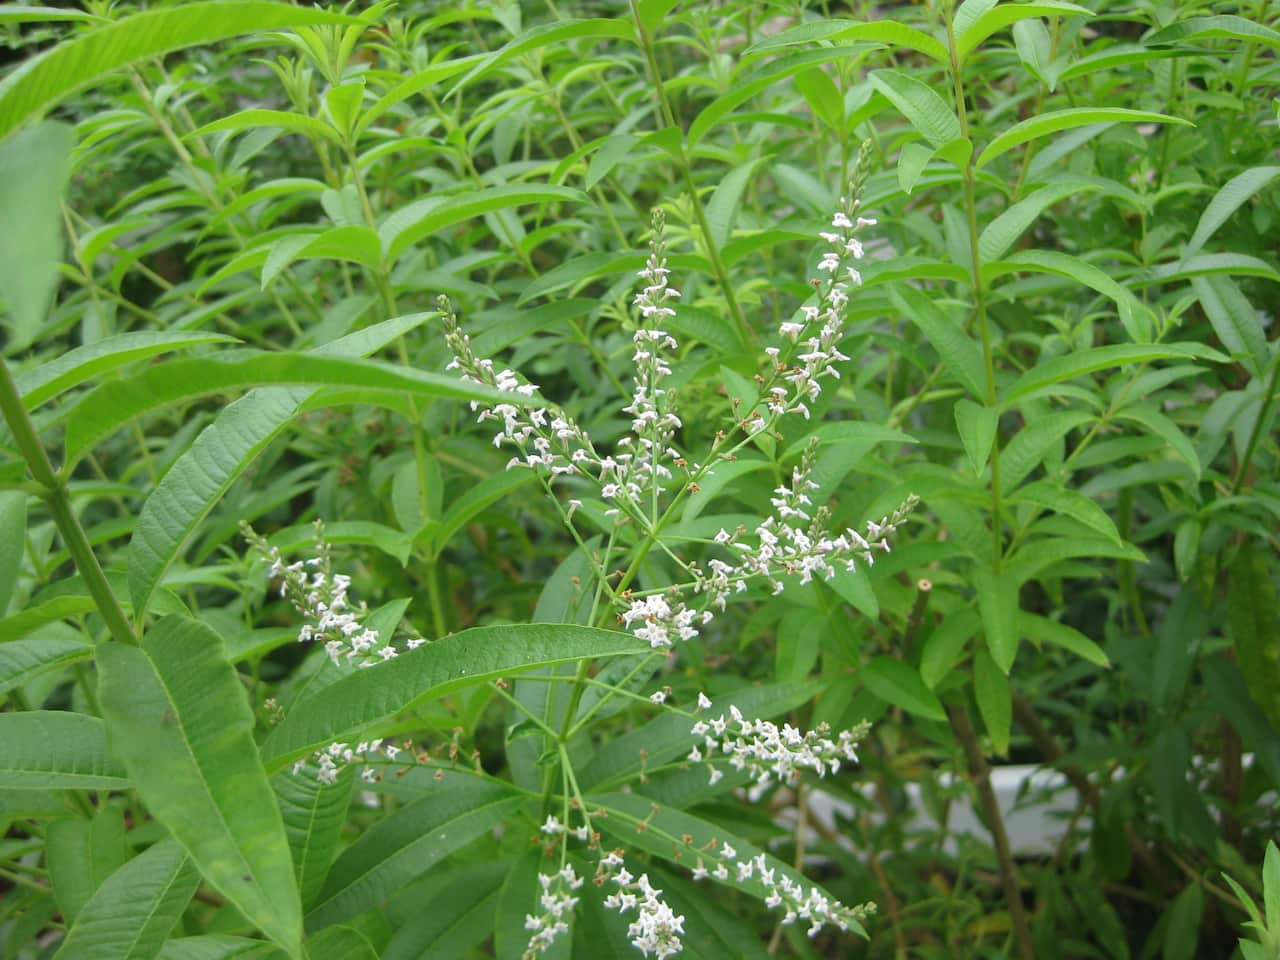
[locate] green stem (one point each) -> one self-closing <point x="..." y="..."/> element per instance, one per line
<point x="961" y="724"/>
<point x="980" y="304"/>
<point x="1256" y="433"/>
<point x="700" y="214"/>
<point x="54" y="493"/>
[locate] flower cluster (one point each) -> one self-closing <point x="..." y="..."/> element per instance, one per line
<point x="771" y="754"/>
<point x="336" y="757"/>
<point x="557" y="902"/>
<point x="657" y="928"/>
<point x="797" y="902"/>
<point x="320" y="595"/>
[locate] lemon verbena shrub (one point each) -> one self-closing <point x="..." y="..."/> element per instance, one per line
<point x="629" y="493"/>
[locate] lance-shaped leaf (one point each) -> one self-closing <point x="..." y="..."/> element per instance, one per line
<point x="26" y="659"/>
<point x="53" y="377"/>
<point x="405" y="845"/>
<point x="932" y="116"/>
<point x="34" y="166"/>
<point x="1002" y="15"/>
<point x="50" y="77"/>
<point x="1052" y="122"/>
<point x="180" y="720"/>
<point x="113" y="405"/>
<point x="131" y="914"/>
<point x="81" y="853"/>
<point x="313" y="814"/>
<point x="56" y="750"/>
<point x="1225" y="202"/>
<point x="224" y="449"/>
<point x="367" y="697"/>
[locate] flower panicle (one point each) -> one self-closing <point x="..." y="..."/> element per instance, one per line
<point x="770" y="754"/>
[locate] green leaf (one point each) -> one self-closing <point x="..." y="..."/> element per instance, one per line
<point x="849" y="431"/>
<point x="960" y="354"/>
<point x="1037" y="555"/>
<point x="1002" y="232"/>
<point x="34" y="166"/>
<point x="977" y="428"/>
<point x="1182" y="931"/>
<point x="298" y="123"/>
<point x="476" y="500"/>
<point x="354" y="244"/>
<point x="995" y="702"/>
<point x="898" y="682"/>
<point x="340" y="943"/>
<point x="412" y="223"/>
<point x="13" y="533"/>
<point x="1186" y="547"/>
<point x="27" y="14"/>
<point x="1207" y="264"/>
<point x="1081" y="362"/>
<point x="53" y="377"/>
<point x="111" y="406"/>
<point x="835" y="31"/>
<point x="1033" y="443"/>
<point x="55" y="750"/>
<point x="219" y="947"/>
<point x="368" y="697"/>
<point x="1055" y="120"/>
<point x="1271" y="885"/>
<point x="458" y="915"/>
<point x="928" y="113"/>
<point x="912" y="160"/>
<point x="1005" y="14"/>
<point x="998" y="608"/>
<point x="1253" y="614"/>
<point x="546" y="35"/>
<point x="36" y="616"/>
<point x="1113" y="57"/>
<point x="44" y="80"/>
<point x="406" y="844"/>
<point x="313" y="814"/>
<point x="180" y="720"/>
<point x="1157" y="424"/>
<point x="1134" y="315"/>
<point x="1235" y="320"/>
<point x="613" y="150"/>
<point x="81" y="854"/>
<point x="24" y="660"/>
<point x="1040" y="629"/>
<point x="1232" y="195"/>
<point x="1069" y="503"/>
<point x="823" y="97"/>
<point x="766" y="76"/>
<point x="1034" y="43"/>
<point x="1220" y="27"/>
<point x="221" y="452"/>
<point x="722" y="208"/>
<point x="945" y="646"/>
<point x="131" y="914"/>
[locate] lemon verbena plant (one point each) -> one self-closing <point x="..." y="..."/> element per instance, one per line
<point x="618" y="504"/>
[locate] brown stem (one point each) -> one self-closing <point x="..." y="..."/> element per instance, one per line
<point x="1025" y="714"/>
<point x="916" y="617"/>
<point x="980" y="777"/>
